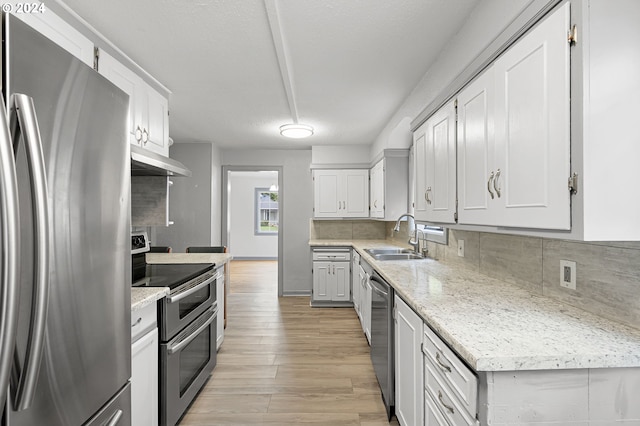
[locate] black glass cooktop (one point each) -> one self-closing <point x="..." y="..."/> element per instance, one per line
<point x="170" y="275"/>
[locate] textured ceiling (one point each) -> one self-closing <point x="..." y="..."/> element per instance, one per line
<point x="348" y="64"/>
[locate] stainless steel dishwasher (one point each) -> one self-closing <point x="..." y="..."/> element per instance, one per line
<point x="382" y="352"/>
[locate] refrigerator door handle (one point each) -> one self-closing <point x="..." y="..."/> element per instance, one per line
<point x="9" y="262"/>
<point x="25" y="123"/>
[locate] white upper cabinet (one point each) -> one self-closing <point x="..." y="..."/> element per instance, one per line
<point x="341" y="193"/>
<point x="60" y="32"/>
<point x="377" y="190"/>
<point x="475" y="141"/>
<point x="435" y="156"/>
<point x="148" y="109"/>
<point x="532" y="138"/>
<point x="389" y="185"/>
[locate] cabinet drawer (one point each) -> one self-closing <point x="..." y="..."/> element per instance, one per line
<point x="461" y="380"/>
<point x="432" y="416"/>
<point x="450" y="407"/>
<point x="143" y="320"/>
<point x="331" y="256"/>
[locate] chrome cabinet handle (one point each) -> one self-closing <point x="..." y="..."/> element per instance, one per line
<point x="375" y="204"/>
<point x="449" y="408"/>
<point x="495" y="183"/>
<point x="10" y="263"/>
<point x="145" y="136"/>
<point x="426" y="195"/>
<point x="138" y="134"/>
<point x="444" y="367"/>
<point x="24" y="122"/>
<point x="115" y="419"/>
<point x="137" y="322"/>
<point x="489" y="185"/>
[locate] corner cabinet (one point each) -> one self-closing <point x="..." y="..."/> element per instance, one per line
<point x="388" y="186"/>
<point x="435" y="157"/>
<point x="341" y="193"/>
<point x="331" y="277"/>
<point x="148" y="109"/>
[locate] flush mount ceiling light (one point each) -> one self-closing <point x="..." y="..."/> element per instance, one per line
<point x="296" y="131"/>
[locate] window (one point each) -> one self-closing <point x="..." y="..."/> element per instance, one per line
<point x="266" y="212"/>
<point x="437" y="234"/>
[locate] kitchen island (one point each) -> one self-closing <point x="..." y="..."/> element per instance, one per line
<point x="531" y="354"/>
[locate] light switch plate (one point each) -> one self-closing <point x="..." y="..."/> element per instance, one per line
<point x="461" y="248"/>
<point x="568" y="274"/>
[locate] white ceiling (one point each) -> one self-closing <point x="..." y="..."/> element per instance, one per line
<point x="239" y="69"/>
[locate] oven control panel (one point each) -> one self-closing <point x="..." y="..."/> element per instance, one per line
<point x="139" y="242"/>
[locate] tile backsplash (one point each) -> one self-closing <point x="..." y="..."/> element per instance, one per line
<point x="607" y="276"/>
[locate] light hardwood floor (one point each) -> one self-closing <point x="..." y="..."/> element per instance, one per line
<point x="285" y="363"/>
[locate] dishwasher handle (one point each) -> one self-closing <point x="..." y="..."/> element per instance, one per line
<point x="379" y="286"/>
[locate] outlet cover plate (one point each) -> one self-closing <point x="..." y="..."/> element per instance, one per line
<point x="461" y="248"/>
<point x="568" y="274"/>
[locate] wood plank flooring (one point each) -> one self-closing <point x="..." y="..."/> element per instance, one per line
<point x="285" y="363"/>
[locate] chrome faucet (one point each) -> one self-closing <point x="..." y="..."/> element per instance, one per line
<point x="414" y="240"/>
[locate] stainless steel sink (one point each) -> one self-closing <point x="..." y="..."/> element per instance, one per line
<point x="374" y="252"/>
<point x="393" y="254"/>
<point x="398" y="256"/>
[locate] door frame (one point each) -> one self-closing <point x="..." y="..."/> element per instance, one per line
<point x="225" y="228"/>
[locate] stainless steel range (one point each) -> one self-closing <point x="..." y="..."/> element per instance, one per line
<point x="187" y="320"/>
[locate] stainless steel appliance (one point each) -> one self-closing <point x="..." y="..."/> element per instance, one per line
<point x="66" y="305"/>
<point x="188" y="326"/>
<point x="382" y="353"/>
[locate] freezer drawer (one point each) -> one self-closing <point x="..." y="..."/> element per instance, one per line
<point x="117" y="412"/>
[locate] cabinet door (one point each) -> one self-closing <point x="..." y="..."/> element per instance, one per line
<point x="432" y="416"/>
<point x="362" y="283"/>
<point x="475" y="141"/>
<point x="409" y="376"/>
<point x="322" y="280"/>
<point x="356" y="195"/>
<point x="366" y="308"/>
<point x="129" y="82"/>
<point x="220" y="299"/>
<point x="158" y="122"/>
<point x="377" y="190"/>
<point x="532" y="127"/>
<point x="441" y="165"/>
<point x="325" y="193"/>
<point x="355" y="283"/>
<point x="420" y="172"/>
<point x="144" y="380"/>
<point x="341" y="290"/>
<point x="60" y="32"/>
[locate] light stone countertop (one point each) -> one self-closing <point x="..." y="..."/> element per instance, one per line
<point x="497" y="326"/>
<point x="217" y="258"/>
<point x="144" y="296"/>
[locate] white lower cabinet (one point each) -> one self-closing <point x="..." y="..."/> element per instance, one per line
<point x="355" y="283"/>
<point x="220" y="283"/>
<point x="144" y="367"/>
<point x="408" y="365"/>
<point x="331" y="277"/>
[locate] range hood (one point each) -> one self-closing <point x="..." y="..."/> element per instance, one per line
<point x="147" y="163"/>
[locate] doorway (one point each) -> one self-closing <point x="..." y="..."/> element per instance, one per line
<point x="252" y="202"/>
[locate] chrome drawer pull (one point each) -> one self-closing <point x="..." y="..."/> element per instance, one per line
<point x="445" y="367"/>
<point x="137" y="322"/>
<point x="491" y="177"/>
<point x="449" y="409"/>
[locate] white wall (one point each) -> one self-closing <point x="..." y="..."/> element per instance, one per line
<point x="216" y="196"/>
<point x="244" y="243"/>
<point x="296" y="193"/>
<point x="340" y="154"/>
<point x="484" y="24"/>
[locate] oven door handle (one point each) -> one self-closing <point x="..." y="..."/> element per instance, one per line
<point x="182" y="343"/>
<point x="178" y="297"/>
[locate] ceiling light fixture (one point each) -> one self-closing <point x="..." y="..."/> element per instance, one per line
<point x="296" y="131"/>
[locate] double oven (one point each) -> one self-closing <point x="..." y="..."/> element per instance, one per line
<point x="187" y="321"/>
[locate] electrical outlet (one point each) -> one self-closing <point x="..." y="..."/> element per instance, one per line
<point x="568" y="274"/>
<point x="461" y="248"/>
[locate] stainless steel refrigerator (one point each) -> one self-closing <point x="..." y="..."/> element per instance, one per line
<point x="65" y="342"/>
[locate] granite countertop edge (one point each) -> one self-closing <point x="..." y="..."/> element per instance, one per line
<point x="497" y="326"/>
<point x="142" y="297"/>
